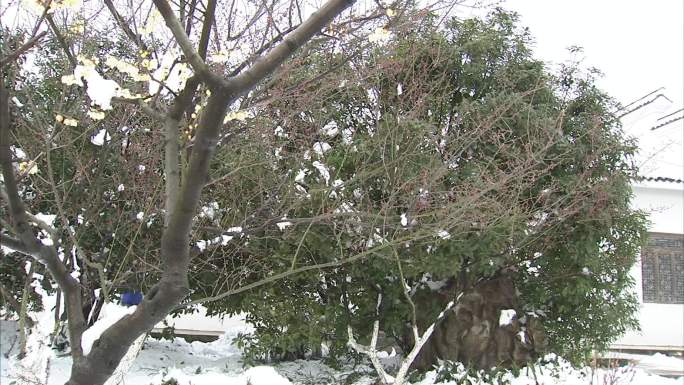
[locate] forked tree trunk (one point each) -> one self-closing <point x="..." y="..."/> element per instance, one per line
<point x="107" y="351"/>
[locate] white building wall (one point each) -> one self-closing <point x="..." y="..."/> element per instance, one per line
<point x="662" y="325"/>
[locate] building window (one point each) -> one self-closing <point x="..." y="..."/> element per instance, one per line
<point x="662" y="268"/>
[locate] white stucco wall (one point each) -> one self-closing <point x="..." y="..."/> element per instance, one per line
<point x="662" y="325"/>
<point x="665" y="204"/>
<point x="199" y="323"/>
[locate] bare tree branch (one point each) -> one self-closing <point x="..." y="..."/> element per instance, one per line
<point x="261" y="50"/>
<point x="288" y="273"/>
<point x="14" y="244"/>
<point x="407" y="295"/>
<point x="19" y="51"/>
<point x="45" y="254"/>
<point x="172" y="147"/>
<point x="265" y="65"/>
<point x="124" y="26"/>
<point x="13" y="303"/>
<point x="209" y="17"/>
<point x="369" y="350"/>
<point x="172" y="121"/>
<point x="191" y="55"/>
<point x="61" y="40"/>
<point x="418" y="344"/>
<point x="144" y="107"/>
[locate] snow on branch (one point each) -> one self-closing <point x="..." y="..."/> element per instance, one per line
<point x="370" y="349"/>
<point x="372" y="353"/>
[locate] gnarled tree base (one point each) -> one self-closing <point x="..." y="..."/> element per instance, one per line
<point x="471" y="333"/>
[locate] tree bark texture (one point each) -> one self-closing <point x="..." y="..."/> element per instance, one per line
<point x="471" y="333"/>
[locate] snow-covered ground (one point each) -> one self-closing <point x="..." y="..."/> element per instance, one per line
<point x="218" y="362"/>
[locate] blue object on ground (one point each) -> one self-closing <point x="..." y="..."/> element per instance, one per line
<point x="131" y="298"/>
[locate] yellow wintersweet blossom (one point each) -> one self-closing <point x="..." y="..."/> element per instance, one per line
<point x="380" y="34"/>
<point x="113" y="62"/>
<point x="128" y="68"/>
<point x="142" y="78"/>
<point x="220" y="57"/>
<point x="59" y="118"/>
<point x="38" y="6"/>
<point x="70" y="122"/>
<point x="236" y="115"/>
<point x="122" y="66"/>
<point x="96" y="115"/>
<point x="87" y="62"/>
<point x="28" y="168"/>
<point x="150" y="64"/>
<point x="126" y="94"/>
<point x="64" y="4"/>
<point x="77" y="27"/>
<point x="71" y="80"/>
<point x="84" y="70"/>
<point x="152" y="23"/>
<point x="390" y="12"/>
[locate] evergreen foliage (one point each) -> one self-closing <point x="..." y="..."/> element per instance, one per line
<point x="497" y="165"/>
<point x="454" y="157"/>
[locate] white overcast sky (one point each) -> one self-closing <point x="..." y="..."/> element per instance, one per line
<point x="638" y="45"/>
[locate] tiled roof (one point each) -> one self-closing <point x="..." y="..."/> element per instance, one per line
<point x="660" y="179"/>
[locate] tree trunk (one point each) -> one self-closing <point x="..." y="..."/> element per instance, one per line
<point x="471" y="333"/>
<point x="114" y="343"/>
<point x="127" y="362"/>
<point x="23" y="314"/>
<point x="13" y="304"/>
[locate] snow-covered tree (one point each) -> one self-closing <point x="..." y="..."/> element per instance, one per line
<point x="187" y="150"/>
<point x="195" y="65"/>
<point x="446" y="162"/>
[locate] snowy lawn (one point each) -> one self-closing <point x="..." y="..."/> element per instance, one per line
<point x="218" y="362"/>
